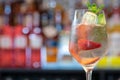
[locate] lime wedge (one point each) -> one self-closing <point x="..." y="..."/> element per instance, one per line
<point x="101" y="19"/>
<point x="89" y="18"/>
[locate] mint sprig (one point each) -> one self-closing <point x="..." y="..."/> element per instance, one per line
<point x="94" y="8"/>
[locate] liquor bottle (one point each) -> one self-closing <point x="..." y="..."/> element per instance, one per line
<point x="6" y="39"/>
<point x="34" y="37"/>
<point x="51" y="39"/>
<point x="19" y="39"/>
<point x="27" y="27"/>
<point x="36" y="41"/>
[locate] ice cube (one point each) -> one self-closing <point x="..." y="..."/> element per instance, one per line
<point x="89" y="18"/>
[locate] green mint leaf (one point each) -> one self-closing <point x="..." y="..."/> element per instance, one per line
<point x="93" y="7"/>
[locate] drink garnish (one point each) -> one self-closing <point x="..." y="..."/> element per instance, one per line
<point x="93" y="8"/>
<point x="84" y="44"/>
<point x="94" y="15"/>
<point x="101" y="19"/>
<point x="89" y="18"/>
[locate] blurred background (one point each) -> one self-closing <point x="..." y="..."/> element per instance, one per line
<point x="34" y="36"/>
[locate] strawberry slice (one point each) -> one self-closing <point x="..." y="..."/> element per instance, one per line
<point x="82" y="31"/>
<point x="84" y="44"/>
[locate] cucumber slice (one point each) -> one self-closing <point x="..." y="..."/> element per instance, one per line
<point x="101" y="19"/>
<point x="89" y="18"/>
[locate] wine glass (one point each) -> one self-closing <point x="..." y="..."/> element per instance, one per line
<point x="88" y="39"/>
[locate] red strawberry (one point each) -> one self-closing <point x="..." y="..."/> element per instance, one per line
<point x="81" y="31"/>
<point x="87" y="45"/>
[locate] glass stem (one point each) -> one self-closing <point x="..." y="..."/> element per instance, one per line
<point x="89" y="74"/>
